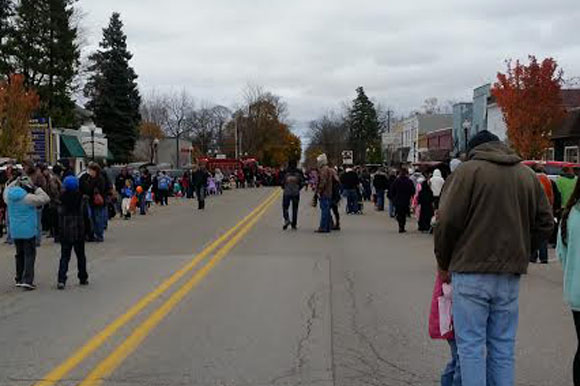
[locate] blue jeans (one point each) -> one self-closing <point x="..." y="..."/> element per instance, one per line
<point x="325" y="219"/>
<point x="452" y="374"/>
<point x="541" y="253"/>
<point x="485" y="315"/>
<point x="98" y="214"/>
<point x="351" y="201"/>
<point x="381" y="200"/>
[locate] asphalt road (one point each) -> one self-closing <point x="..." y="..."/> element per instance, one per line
<point x="264" y="307"/>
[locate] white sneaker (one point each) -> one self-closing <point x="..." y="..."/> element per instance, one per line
<point x="28" y="287"/>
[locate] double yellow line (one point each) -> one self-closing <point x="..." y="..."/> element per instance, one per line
<point x="107" y="366"/>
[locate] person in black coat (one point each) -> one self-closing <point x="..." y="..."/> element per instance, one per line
<point x="199" y="179"/>
<point x="72" y="212"/>
<point x="402" y="191"/>
<point x="381" y="183"/>
<point x="391" y="180"/>
<point x="426" y="201"/>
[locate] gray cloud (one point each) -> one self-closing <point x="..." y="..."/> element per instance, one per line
<point x="315" y="53"/>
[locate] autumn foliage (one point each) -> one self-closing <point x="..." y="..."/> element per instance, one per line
<point x="17" y="104"/>
<point x="531" y="102"/>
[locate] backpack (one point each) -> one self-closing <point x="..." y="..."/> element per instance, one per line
<point x="163" y="185"/>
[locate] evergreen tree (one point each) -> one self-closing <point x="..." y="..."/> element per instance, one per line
<point x="44" y="49"/>
<point x="112" y="91"/>
<point x="364" y="128"/>
<point x="6" y="13"/>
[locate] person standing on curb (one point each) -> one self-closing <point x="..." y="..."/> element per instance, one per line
<point x="23" y="199"/>
<point x="568" y="251"/>
<point x="493" y="212"/>
<point x="324" y="190"/>
<point x="72" y="224"/>
<point x="292" y="183"/>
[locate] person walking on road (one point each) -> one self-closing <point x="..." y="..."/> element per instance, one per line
<point x="94" y="186"/>
<point x="381" y="183"/>
<point x="23" y="199"/>
<point x="426" y="201"/>
<point x="436" y="183"/>
<point x="493" y="211"/>
<point x="336" y="197"/>
<point x="200" y="179"/>
<point x="163" y="185"/>
<point x="37" y="179"/>
<point x="120" y="183"/>
<point x="392" y="179"/>
<point x="350" y="183"/>
<point x="72" y="224"/>
<point x="292" y="183"/>
<point x="542" y="252"/>
<point x="402" y="190"/>
<point x="568" y="251"/>
<point x="324" y="190"/>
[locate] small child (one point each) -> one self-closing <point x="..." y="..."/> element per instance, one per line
<point x="127" y="194"/>
<point x="72" y="231"/>
<point x="452" y="374"/>
<point x="177" y="189"/>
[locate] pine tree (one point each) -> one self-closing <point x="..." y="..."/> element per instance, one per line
<point x="364" y="128"/>
<point x="44" y="49"/>
<point x="112" y="91"/>
<point x="6" y="14"/>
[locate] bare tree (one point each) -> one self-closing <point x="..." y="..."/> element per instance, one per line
<point x="154" y="109"/>
<point x="180" y="108"/>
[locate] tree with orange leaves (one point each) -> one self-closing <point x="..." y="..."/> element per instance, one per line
<point x="531" y="102"/>
<point x="17" y="104"/>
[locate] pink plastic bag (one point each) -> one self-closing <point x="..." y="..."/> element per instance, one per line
<point x="440" y="327"/>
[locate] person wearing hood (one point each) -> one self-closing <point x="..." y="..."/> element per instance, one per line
<point x="493" y="212"/>
<point x="436" y="183"/>
<point x="566" y="183"/>
<point x="23" y="199"/>
<point x="324" y="190"/>
<point x="72" y="212"/>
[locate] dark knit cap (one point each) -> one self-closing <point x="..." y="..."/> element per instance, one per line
<point x="481" y="138"/>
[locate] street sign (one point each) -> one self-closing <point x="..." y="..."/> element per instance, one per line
<point x="40" y="147"/>
<point x="347" y="157"/>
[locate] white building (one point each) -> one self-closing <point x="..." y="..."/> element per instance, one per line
<point x="415" y="127"/>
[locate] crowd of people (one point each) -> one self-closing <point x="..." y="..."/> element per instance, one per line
<point x="40" y="202"/>
<point x="491" y="216"/>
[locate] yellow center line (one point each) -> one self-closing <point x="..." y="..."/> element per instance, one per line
<point x="114" y="360"/>
<point x="100" y="338"/>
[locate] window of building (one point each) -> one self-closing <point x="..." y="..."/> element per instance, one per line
<point x="571" y="154"/>
<point x="549" y="155"/>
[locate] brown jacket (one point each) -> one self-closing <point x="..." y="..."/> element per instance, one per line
<point x="493" y="212"/>
<point x="325" y="182"/>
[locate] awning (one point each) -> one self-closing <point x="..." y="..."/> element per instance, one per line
<point x="71" y="147"/>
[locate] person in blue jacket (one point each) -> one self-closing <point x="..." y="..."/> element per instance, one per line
<point x="22" y="199"/>
<point x="568" y="250"/>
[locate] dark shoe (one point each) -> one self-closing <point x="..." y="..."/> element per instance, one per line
<point x="294" y="227"/>
<point x="18" y="284"/>
<point x="336" y="228"/>
<point x="60" y="286"/>
<point x="321" y="231"/>
<point x="402" y="231"/>
<point x="543" y="262"/>
<point x="84" y="282"/>
<point x="286" y="225"/>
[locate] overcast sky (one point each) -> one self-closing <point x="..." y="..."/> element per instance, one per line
<point x="314" y="53"/>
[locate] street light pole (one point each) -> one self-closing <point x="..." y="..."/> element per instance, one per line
<point x="466" y="127"/>
<point x="92" y="144"/>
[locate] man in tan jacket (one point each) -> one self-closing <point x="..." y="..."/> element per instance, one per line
<point x="493" y="213"/>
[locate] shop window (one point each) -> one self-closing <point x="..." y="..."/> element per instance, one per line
<point x="571" y="154"/>
<point x="549" y="155"/>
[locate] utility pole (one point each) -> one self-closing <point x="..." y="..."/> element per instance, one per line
<point x="237" y="151"/>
